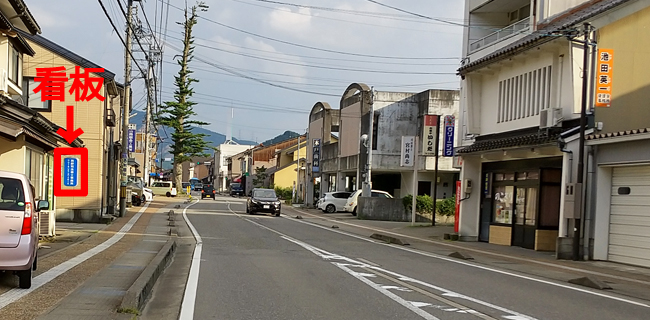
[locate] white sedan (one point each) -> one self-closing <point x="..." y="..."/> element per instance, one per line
<point x="333" y="201"/>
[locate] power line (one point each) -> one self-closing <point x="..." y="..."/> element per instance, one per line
<point x="423" y="16"/>
<point x="305" y="46"/>
<point x="118" y="35"/>
<point x="318" y="66"/>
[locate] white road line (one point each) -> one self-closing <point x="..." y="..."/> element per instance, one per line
<point x="474" y="265"/>
<point x="330" y="256"/>
<point x="14" y="294"/>
<point x="387" y="293"/>
<point x="480" y="251"/>
<point x="192" y="285"/>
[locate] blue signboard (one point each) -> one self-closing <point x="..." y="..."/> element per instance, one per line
<point x="131" y="140"/>
<point x="70" y="169"/>
<point x="450" y="122"/>
<point x="315" y="165"/>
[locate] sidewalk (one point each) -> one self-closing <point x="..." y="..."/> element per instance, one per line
<point x="626" y="280"/>
<point x="95" y="286"/>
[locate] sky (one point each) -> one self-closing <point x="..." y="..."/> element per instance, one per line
<point x="271" y="61"/>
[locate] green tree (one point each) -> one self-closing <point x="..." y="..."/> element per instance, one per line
<point x="260" y="176"/>
<point x="177" y="114"/>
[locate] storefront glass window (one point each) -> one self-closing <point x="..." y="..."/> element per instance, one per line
<point x="510" y="176"/>
<point x="526" y="206"/>
<point x="503" y="204"/>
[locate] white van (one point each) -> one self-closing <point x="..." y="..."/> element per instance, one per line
<point x="167" y="188"/>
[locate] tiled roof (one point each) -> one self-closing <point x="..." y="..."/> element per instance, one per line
<point x="617" y="134"/>
<point x="523" y="140"/>
<point x="546" y="33"/>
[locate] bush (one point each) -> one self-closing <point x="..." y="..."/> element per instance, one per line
<point x="446" y="207"/>
<point x="284" y="193"/>
<point x="423" y="204"/>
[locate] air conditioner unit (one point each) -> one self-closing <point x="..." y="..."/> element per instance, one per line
<point x="47" y="222"/>
<point x="550" y="118"/>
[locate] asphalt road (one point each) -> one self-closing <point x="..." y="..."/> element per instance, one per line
<point x="264" y="267"/>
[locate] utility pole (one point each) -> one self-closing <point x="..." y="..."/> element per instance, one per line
<point x="147" y="121"/>
<point x="581" y="152"/>
<point x="366" y="191"/>
<point x="125" y="110"/>
<point x="297" y="169"/>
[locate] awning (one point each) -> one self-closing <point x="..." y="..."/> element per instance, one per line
<point x="515" y="141"/>
<point x="133" y="162"/>
<point x="237" y="180"/>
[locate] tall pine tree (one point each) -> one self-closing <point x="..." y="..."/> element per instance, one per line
<point x="177" y="114"/>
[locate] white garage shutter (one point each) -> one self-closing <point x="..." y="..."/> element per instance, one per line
<point x="629" y="223"/>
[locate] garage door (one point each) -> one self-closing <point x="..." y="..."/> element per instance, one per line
<point x="629" y="223"/>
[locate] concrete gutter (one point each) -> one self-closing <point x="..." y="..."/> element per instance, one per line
<point x="137" y="295"/>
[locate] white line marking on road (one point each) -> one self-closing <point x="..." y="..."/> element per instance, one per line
<point x="397" y="288"/>
<point x="189" y="298"/>
<point x="389" y="294"/>
<point x="508" y="273"/>
<point x="474" y="250"/>
<point x="14" y="294"/>
<point x="420" y="304"/>
<point x="327" y="255"/>
<point x="368" y="262"/>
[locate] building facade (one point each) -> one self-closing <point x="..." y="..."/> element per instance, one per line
<point x="521" y="94"/>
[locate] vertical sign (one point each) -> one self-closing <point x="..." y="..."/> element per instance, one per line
<point x="450" y="125"/>
<point x="315" y="165"/>
<point x="131" y="141"/>
<point x="70" y="172"/>
<point x="408" y="146"/>
<point x="604" y="77"/>
<point x="429" y="137"/>
<point x="457" y="213"/>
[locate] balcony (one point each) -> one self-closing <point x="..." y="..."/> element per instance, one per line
<point x="110" y="118"/>
<point x="518" y="27"/>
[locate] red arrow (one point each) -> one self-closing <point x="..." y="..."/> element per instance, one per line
<point x="69" y="135"/>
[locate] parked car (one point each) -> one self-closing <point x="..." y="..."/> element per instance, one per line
<point x="208" y="191"/>
<point x="167" y="188"/>
<point x="263" y="200"/>
<point x="198" y="186"/>
<point x="333" y="201"/>
<point x="236" y="189"/>
<point x="148" y="194"/>
<point x="353" y="200"/>
<point x="18" y="232"/>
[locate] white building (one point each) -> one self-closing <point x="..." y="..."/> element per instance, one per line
<point x="227" y="149"/>
<point x="520" y="96"/>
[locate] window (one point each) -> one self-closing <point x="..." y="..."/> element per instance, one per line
<point x="524" y="95"/>
<point x="503" y="198"/>
<point x="15" y="65"/>
<point x="375" y="131"/>
<point x="33" y="100"/>
<point x="12" y="196"/>
<point x="33" y="170"/>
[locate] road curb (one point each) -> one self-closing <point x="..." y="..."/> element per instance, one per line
<point x="137" y="295"/>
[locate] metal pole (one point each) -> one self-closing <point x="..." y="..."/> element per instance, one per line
<point x="297" y="170"/>
<point x="147" y="123"/>
<point x="581" y="152"/>
<point x="415" y="181"/>
<point x="367" y="190"/>
<point x="125" y="110"/>
<point x="435" y="173"/>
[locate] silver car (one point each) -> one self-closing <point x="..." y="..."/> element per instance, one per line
<point x="18" y="226"/>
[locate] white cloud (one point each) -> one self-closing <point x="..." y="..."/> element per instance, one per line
<point x="298" y="72"/>
<point x="286" y="20"/>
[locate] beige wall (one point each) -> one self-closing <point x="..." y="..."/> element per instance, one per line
<point x="12" y="155"/>
<point x="630" y="40"/>
<point x="89" y="116"/>
<point x="350" y="130"/>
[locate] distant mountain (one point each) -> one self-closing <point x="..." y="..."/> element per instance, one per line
<point x="283" y="137"/>
<point x="214" y="139"/>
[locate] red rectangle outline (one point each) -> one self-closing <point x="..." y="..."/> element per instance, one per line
<point x="58" y="190"/>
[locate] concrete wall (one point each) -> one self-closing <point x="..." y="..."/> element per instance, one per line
<point x="350" y="130"/>
<point x="385" y="210"/>
<point x="12" y="155"/>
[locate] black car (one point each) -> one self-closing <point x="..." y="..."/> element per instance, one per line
<point x="263" y="200"/>
<point x="208" y="191"/>
<point x="198" y="187"/>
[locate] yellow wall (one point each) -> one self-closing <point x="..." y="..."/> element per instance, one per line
<point x="89" y="116"/>
<point x="630" y="40"/>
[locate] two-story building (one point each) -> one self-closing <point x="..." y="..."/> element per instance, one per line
<point x="521" y="97"/>
<point x="98" y="120"/>
<point x="383" y="117"/>
<point x="220" y="173"/>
